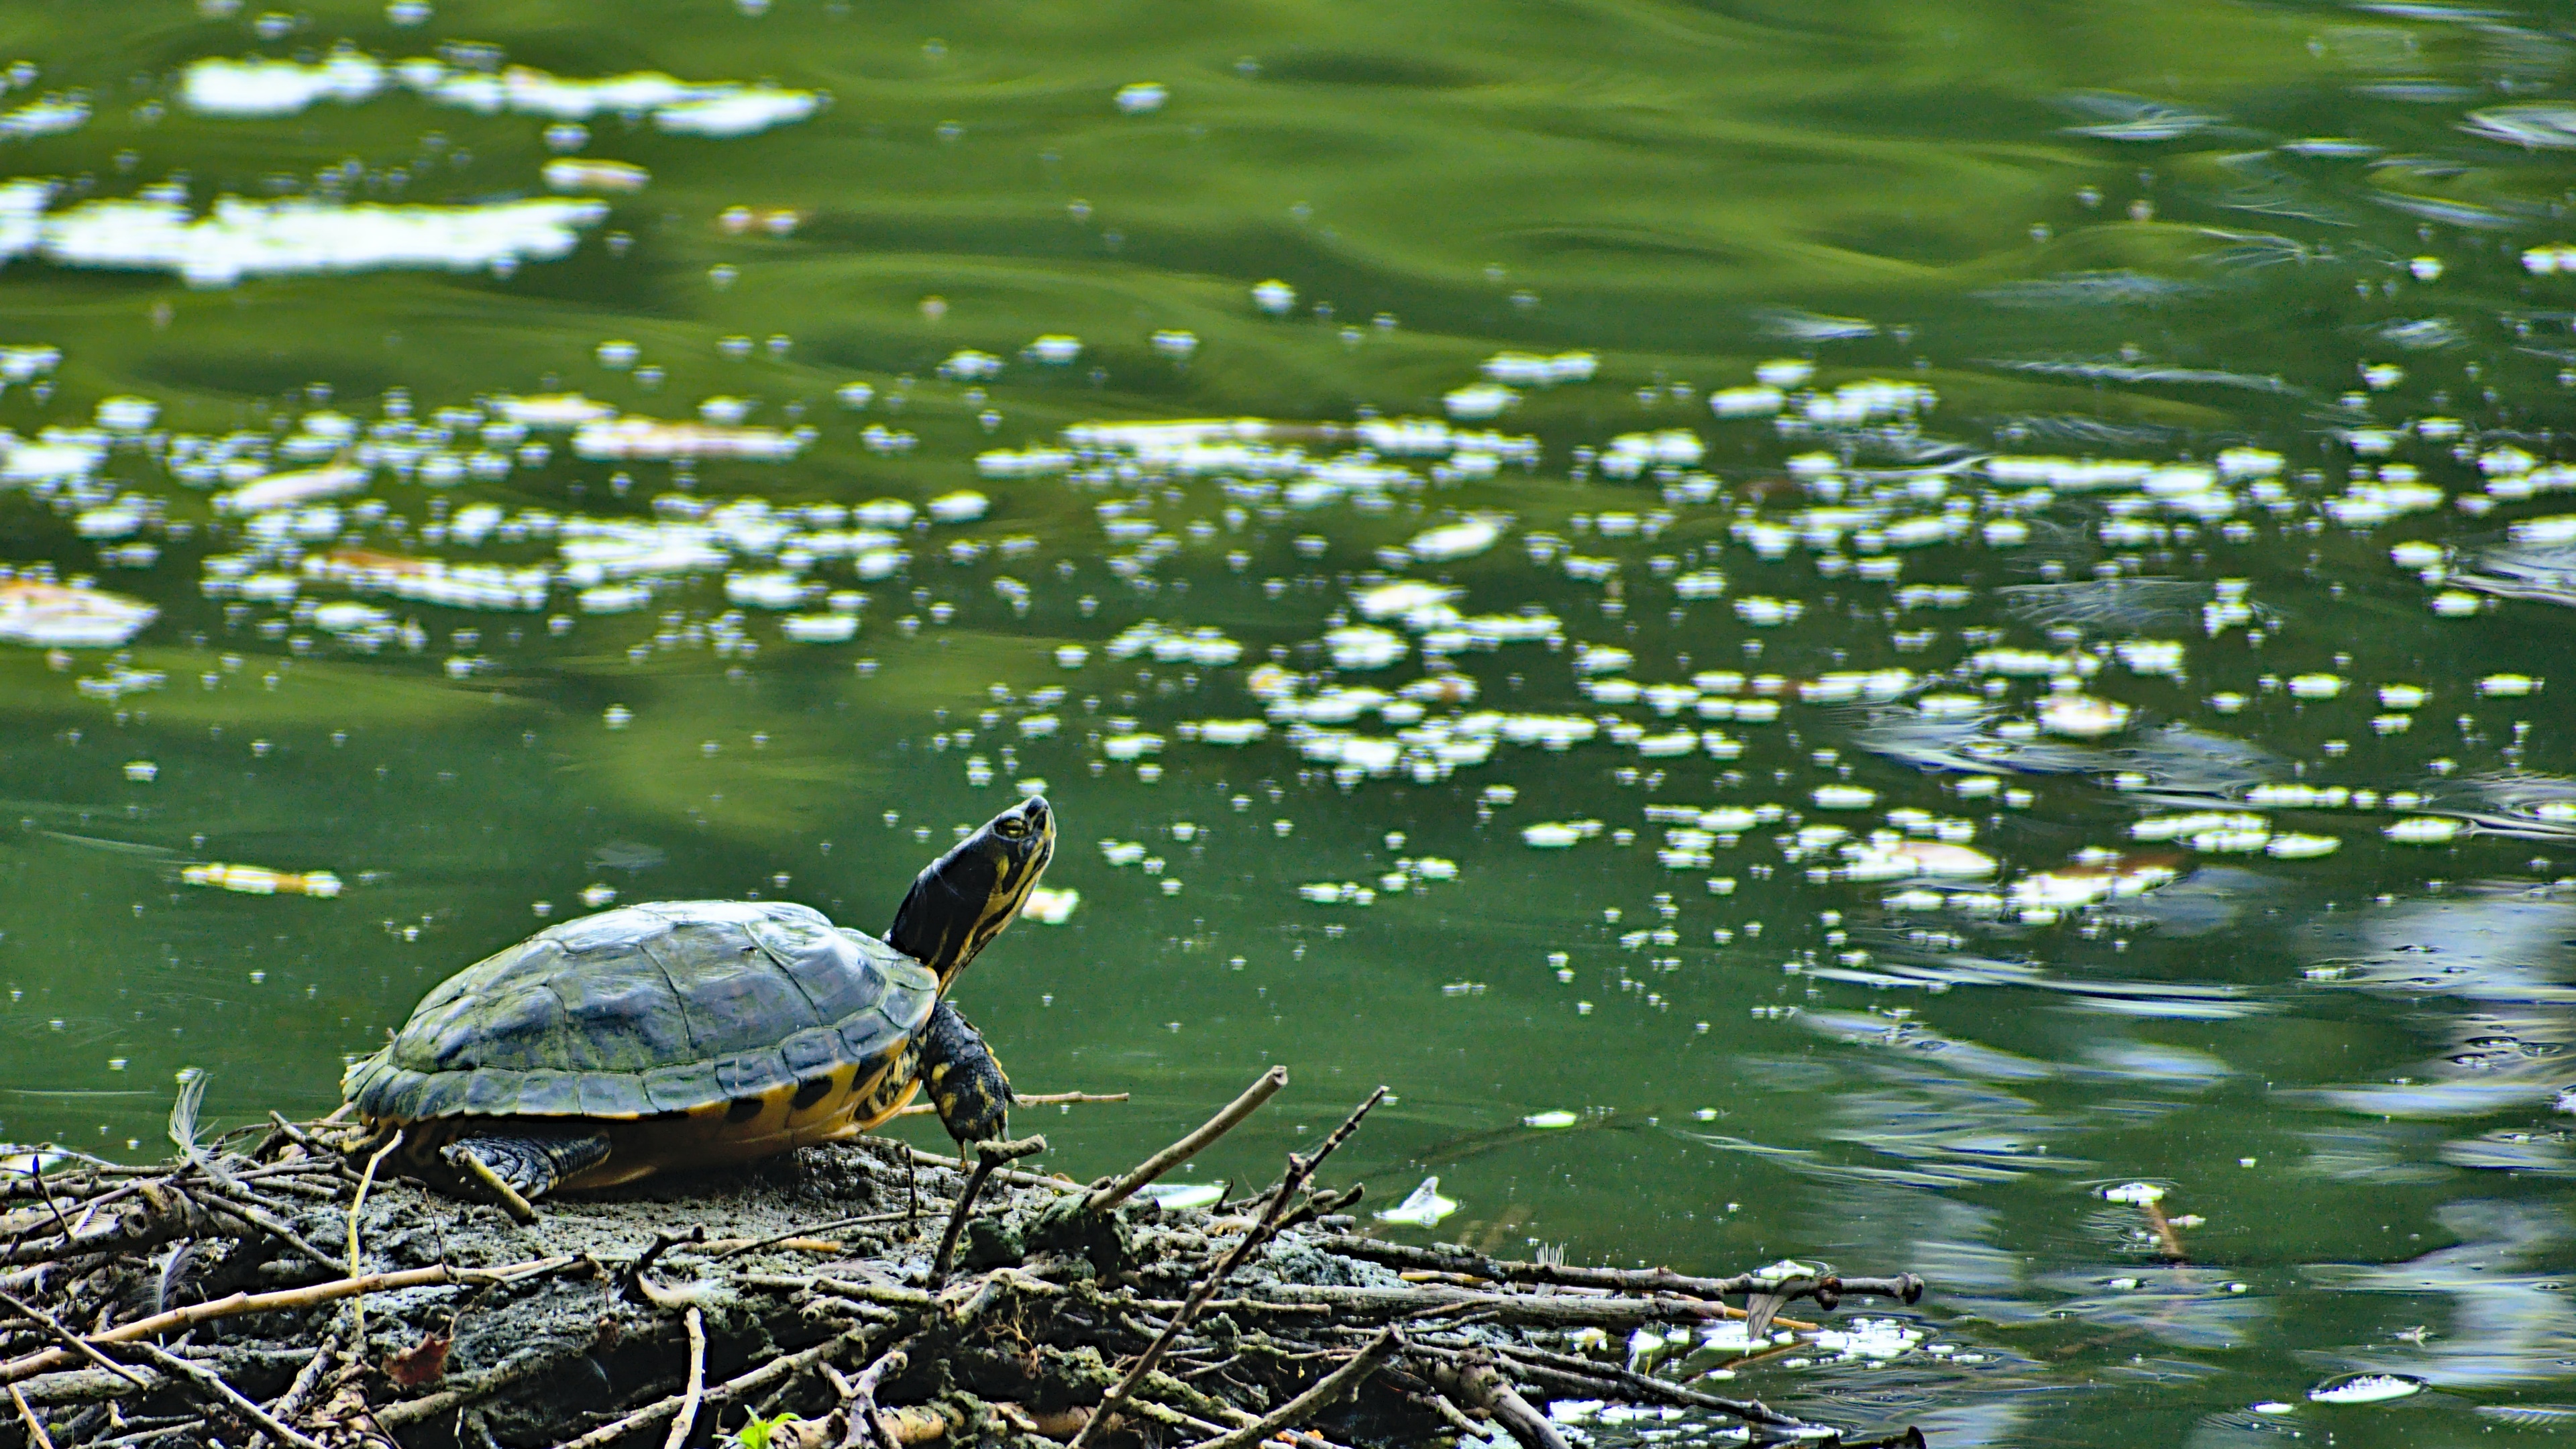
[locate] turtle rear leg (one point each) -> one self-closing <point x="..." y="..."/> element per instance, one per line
<point x="966" y="1083"/>
<point x="524" y="1166"/>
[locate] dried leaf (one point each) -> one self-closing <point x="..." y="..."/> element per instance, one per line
<point x="420" y="1364"/>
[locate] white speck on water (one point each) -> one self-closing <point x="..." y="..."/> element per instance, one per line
<point x="2366" y="1389"/>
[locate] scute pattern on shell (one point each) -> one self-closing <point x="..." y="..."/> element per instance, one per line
<point x="649" y="1008"/>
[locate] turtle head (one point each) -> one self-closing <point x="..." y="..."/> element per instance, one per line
<point x="964" y="899"/>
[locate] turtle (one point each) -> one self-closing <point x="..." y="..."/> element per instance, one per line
<point x="685" y="1034"/>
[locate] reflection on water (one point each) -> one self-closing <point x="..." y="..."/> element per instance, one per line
<point x="1809" y="643"/>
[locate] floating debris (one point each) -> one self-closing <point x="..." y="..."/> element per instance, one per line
<point x="1050" y="906"/>
<point x="1139" y="97"/>
<point x="255" y="88"/>
<point x="57" y="617"/>
<point x="577" y="174"/>
<point x="258" y="880"/>
<point x="241" y="239"/>
<point x="1422" y="1208"/>
<point x="2366" y="1389"/>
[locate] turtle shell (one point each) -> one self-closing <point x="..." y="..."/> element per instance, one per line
<point x="649" y="1009"/>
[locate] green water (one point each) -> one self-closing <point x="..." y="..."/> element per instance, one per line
<point x="2093" y="231"/>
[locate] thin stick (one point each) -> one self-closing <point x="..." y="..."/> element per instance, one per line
<point x="213" y="1384"/>
<point x="1300" y="1168"/>
<point x="300" y="1137"/>
<point x="291" y="1403"/>
<point x="690" y="1397"/>
<point x="1450" y="1258"/>
<point x="863" y="1399"/>
<point x="494" y="1183"/>
<point x="310" y="1296"/>
<point x="737" y="1247"/>
<point x="1472" y="1376"/>
<point x="37" y="1438"/>
<point x="1023" y="1099"/>
<point x="1335" y="1386"/>
<point x="734" y="1388"/>
<point x="1265" y="1087"/>
<point x="72" y="1340"/>
<point x="358" y="1310"/>
<point x="233" y="1201"/>
<point x="988" y="1155"/>
<point x="905" y="1152"/>
<point x="477" y="1386"/>
<point x="1646" y="1386"/>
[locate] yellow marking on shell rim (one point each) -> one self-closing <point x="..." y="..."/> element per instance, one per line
<point x="698" y="1137"/>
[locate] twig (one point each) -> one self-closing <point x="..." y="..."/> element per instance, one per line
<point x="737" y="1247"/>
<point x="71" y="1340"/>
<point x="1450" y="1258"/>
<point x="864" y="1426"/>
<point x="232" y="1201"/>
<point x="1473" y="1377"/>
<point x="1646" y="1386"/>
<point x="1262" y="1090"/>
<point x="312" y="1295"/>
<point x="479" y="1386"/>
<point x="988" y="1156"/>
<point x="212" y="1383"/>
<point x="1300" y="1168"/>
<point x="358" y="1310"/>
<point x="193" y="1424"/>
<point x="633" y="1284"/>
<point x="687" y="1418"/>
<point x="913" y="1157"/>
<point x="733" y="1388"/>
<point x="511" y="1201"/>
<point x="1335" y="1386"/>
<point x="37" y="1438"/>
<point x="1020" y="1099"/>
<point x="291" y="1403"/>
<point x="300" y="1138"/>
<point x="1420" y="1390"/>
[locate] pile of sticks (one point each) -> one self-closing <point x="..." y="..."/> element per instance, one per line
<point x="272" y="1289"/>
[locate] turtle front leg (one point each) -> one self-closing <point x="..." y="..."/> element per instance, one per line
<point x="966" y="1084"/>
<point x="516" y="1168"/>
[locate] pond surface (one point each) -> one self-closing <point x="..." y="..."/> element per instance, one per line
<point x="1827" y="631"/>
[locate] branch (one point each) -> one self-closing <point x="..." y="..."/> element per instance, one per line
<point x="310" y="1296"/>
<point x="1262" y="1090"/>
<point x="1450" y="1258"/>
<point x="1018" y="1099"/>
<point x="1473" y="1377"/>
<point x="687" y="1417"/>
<point x="988" y="1156"/>
<point x="212" y="1384"/>
<point x="1336" y="1385"/>
<point x="1646" y="1386"/>
<point x="1300" y="1168"/>
<point x="358" y="1310"/>
<point x="73" y="1341"/>
<point x="865" y="1425"/>
<point x="37" y="1438"/>
<point x="733" y="1388"/>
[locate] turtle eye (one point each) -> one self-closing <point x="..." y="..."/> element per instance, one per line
<point x="1010" y="827"/>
